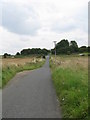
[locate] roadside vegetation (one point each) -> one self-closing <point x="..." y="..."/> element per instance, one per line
<point x="70" y="78"/>
<point x="0" y="71"/>
<point x="69" y="48"/>
<point x="11" y="66"/>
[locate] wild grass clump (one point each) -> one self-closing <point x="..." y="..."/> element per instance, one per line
<point x="71" y="83"/>
<point x="10" y="70"/>
<point x="0" y="71"/>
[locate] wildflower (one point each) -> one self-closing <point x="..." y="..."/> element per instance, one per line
<point x="63" y="99"/>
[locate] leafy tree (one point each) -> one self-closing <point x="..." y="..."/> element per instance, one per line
<point x="52" y="51"/>
<point x="62" y="47"/>
<point x="89" y="49"/>
<point x="73" y="47"/>
<point x="6" y="55"/>
<point x="24" y="52"/>
<point x="17" y="53"/>
<point x="35" y="51"/>
<point x="63" y="43"/>
<point x="83" y="49"/>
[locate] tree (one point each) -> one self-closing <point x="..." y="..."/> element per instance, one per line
<point x="89" y="49"/>
<point x="45" y="51"/>
<point x="25" y="52"/>
<point x="17" y="53"/>
<point x="73" y="47"/>
<point x="35" y="51"/>
<point x="6" y="55"/>
<point x="62" y="47"/>
<point x="63" y="43"/>
<point x="83" y="49"/>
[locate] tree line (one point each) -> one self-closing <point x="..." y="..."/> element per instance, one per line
<point x="27" y="52"/>
<point x="62" y="47"/>
<point x="66" y="47"/>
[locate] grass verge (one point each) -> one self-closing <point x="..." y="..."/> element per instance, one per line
<point x="71" y="83"/>
<point x="9" y="72"/>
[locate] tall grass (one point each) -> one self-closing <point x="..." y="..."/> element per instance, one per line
<point x="70" y="77"/>
<point x="10" y="70"/>
<point x="0" y="71"/>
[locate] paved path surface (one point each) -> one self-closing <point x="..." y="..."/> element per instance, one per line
<point x="31" y="94"/>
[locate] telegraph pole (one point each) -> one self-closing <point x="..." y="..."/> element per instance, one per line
<point x="55" y="50"/>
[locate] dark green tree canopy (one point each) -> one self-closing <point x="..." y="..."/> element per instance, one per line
<point x="62" y="43"/>
<point x="6" y="55"/>
<point x="17" y="53"/>
<point x="83" y="49"/>
<point x="73" y="47"/>
<point x="64" y="47"/>
<point x="34" y="51"/>
<point x="89" y="49"/>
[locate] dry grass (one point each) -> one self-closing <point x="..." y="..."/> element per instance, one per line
<point x="19" y="61"/>
<point x="71" y="62"/>
<point x="11" y="66"/>
<point x="70" y="77"/>
<point x="0" y="72"/>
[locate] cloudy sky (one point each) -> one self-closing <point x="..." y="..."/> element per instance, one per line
<point x="37" y="23"/>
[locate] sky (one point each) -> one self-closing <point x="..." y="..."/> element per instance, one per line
<point x="37" y="23"/>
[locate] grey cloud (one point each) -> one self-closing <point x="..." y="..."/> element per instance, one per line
<point x="89" y="18"/>
<point x="89" y="23"/>
<point x="60" y="28"/>
<point x="82" y="18"/>
<point x="0" y="14"/>
<point x="19" y="19"/>
<point x="79" y="22"/>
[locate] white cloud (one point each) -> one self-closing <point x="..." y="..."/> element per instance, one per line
<point x="37" y="23"/>
<point x="20" y="19"/>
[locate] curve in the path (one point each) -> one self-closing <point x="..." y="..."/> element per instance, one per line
<point x="31" y="95"/>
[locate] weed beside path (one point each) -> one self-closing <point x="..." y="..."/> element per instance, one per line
<point x="12" y="66"/>
<point x="70" y="77"/>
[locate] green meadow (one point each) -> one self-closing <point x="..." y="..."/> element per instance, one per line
<point x="70" y="78"/>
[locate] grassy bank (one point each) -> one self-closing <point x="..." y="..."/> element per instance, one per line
<point x="0" y="71"/>
<point x="70" y="77"/>
<point x="12" y="66"/>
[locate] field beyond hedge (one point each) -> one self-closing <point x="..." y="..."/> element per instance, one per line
<point x="70" y="78"/>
